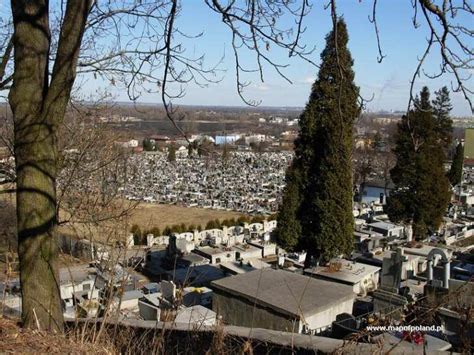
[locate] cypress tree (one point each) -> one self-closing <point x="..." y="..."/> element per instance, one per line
<point x="328" y="223"/>
<point x="318" y="197"/>
<point x="455" y="173"/>
<point x="171" y="153"/>
<point x="148" y="145"/>
<point x="441" y="110"/>
<point x="422" y="191"/>
<point x="288" y="229"/>
<point x="225" y="152"/>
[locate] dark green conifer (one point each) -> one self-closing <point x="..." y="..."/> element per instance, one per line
<point x="320" y="179"/>
<point x="422" y="191"/>
<point x="148" y="145"/>
<point x="288" y="229"/>
<point x="455" y="173"/>
<point x="328" y="223"/>
<point x="441" y="110"/>
<point x="171" y="153"/>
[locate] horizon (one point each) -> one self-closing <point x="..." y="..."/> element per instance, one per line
<point x="387" y="83"/>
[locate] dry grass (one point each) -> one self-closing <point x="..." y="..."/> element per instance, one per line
<point x="14" y="339"/>
<point x="465" y="242"/>
<point x="145" y="215"/>
<point x="148" y="215"/>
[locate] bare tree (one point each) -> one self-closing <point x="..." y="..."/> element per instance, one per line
<point x="97" y="38"/>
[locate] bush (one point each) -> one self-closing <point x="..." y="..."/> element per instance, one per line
<point x="167" y="231"/>
<point x="257" y="219"/>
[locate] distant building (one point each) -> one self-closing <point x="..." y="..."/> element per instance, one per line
<point x="160" y="141"/>
<point x="255" y="138"/>
<point x="132" y="143"/>
<point x="280" y="300"/>
<point x="469" y="146"/>
<point x="376" y="191"/>
<point x="230" y="139"/>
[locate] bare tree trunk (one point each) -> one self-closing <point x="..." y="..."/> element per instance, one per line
<point x="38" y="108"/>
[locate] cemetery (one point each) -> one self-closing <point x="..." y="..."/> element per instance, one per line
<point x="247" y="182"/>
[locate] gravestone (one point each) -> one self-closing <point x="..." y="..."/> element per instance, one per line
<point x="392" y="272"/>
<point x="409" y="233"/>
<point x="168" y="290"/>
<point x="172" y="249"/>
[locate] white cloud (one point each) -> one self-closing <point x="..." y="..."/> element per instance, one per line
<point x="308" y="80"/>
<point x="262" y="87"/>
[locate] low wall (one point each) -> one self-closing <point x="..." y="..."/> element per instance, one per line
<point x="181" y="338"/>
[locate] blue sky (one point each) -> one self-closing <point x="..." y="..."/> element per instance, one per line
<point x="388" y="81"/>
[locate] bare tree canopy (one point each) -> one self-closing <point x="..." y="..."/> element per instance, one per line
<point x="139" y="46"/>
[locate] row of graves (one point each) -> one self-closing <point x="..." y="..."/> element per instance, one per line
<point x="426" y="283"/>
<point x="245" y="181"/>
<point x="224" y="249"/>
<point x="181" y="268"/>
<point x="388" y="277"/>
<point x="238" y="275"/>
<point x="390" y="280"/>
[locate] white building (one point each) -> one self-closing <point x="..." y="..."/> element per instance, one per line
<point x="362" y="277"/>
<point x="280" y="300"/>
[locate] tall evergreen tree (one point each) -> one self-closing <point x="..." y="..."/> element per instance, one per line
<point x="422" y="191"/>
<point x="171" y="153"/>
<point x="318" y="196"/>
<point x="225" y="152"/>
<point x="328" y="223"/>
<point x="288" y="229"/>
<point x="441" y="110"/>
<point x="455" y="173"/>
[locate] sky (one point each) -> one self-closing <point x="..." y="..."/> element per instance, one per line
<point x="387" y="83"/>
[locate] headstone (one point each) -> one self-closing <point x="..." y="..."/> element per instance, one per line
<point x="436" y="283"/>
<point x="172" y="249"/>
<point x="150" y="239"/>
<point x="130" y="241"/>
<point x="168" y="290"/>
<point x="409" y="233"/>
<point x="184" y="245"/>
<point x="266" y="237"/>
<point x="225" y="232"/>
<point x="281" y="260"/>
<point x="386" y="302"/>
<point x="231" y="241"/>
<point x="392" y="272"/>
